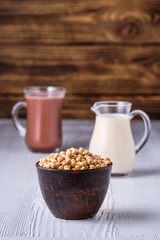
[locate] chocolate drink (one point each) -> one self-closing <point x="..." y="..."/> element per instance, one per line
<point x="43" y="122"/>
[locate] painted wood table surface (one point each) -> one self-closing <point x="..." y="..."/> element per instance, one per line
<point x="130" y="210"/>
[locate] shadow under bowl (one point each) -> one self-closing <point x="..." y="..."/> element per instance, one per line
<point x="73" y="194"/>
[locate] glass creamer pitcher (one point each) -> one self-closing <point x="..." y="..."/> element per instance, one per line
<point x="112" y="135"/>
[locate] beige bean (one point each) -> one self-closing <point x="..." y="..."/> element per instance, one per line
<point x="74" y="151"/>
<point x="77" y="167"/>
<point x="60" y="159"/>
<point x="48" y="165"/>
<point x="60" y="167"/>
<point x="57" y="165"/>
<point x="98" y="166"/>
<point x="69" y="153"/>
<point x="103" y="165"/>
<point x="56" y="155"/>
<point x="62" y="152"/>
<point x="45" y="160"/>
<point x="95" y="162"/>
<point x="67" y="167"/>
<point x="99" y="161"/>
<point x="53" y="165"/>
<point x="68" y="161"/>
<point x="85" y="152"/>
<point x="78" y="159"/>
<point x="41" y="164"/>
<point x="82" y="164"/>
<point x="52" y="155"/>
<point x="81" y="150"/>
<point x="83" y="168"/>
<point x="89" y="162"/>
<point x="107" y="162"/>
<point x="73" y="163"/>
<point x="63" y="163"/>
<point x="53" y="160"/>
<point x="92" y="167"/>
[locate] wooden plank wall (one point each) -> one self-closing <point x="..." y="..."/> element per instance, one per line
<point x="98" y="50"/>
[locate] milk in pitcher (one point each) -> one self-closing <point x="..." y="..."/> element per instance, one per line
<point x="112" y="137"/>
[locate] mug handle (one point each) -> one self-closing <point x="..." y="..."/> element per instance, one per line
<point x="147" y="128"/>
<point x="16" y="122"/>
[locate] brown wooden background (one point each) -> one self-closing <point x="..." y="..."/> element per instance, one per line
<point x="98" y="50"/>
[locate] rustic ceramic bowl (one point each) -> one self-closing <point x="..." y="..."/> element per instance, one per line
<point x="73" y="194"/>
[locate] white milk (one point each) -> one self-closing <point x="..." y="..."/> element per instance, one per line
<point x="112" y="137"/>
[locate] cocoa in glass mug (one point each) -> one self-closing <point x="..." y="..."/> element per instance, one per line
<point x="112" y="135"/>
<point x="44" y="105"/>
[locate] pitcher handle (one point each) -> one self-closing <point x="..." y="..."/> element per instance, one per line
<point x="16" y="122"/>
<point x="147" y="128"/>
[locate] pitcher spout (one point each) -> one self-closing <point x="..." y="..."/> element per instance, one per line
<point x="104" y="107"/>
<point x="98" y="107"/>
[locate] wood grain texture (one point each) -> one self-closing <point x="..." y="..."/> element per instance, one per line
<point x="89" y="73"/>
<point x="131" y="209"/>
<point x="86" y="21"/>
<point x="82" y="69"/>
<point x="96" y="50"/>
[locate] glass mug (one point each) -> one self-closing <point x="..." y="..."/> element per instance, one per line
<point x="44" y="105"/>
<point x="112" y="135"/>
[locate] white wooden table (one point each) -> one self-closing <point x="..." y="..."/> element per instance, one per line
<point x="131" y="208"/>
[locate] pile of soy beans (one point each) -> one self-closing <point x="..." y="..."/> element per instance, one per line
<point x="74" y="159"/>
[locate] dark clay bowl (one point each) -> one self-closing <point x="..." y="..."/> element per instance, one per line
<point x="73" y="194"/>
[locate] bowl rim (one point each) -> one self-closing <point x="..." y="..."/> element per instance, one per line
<point x="72" y="171"/>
